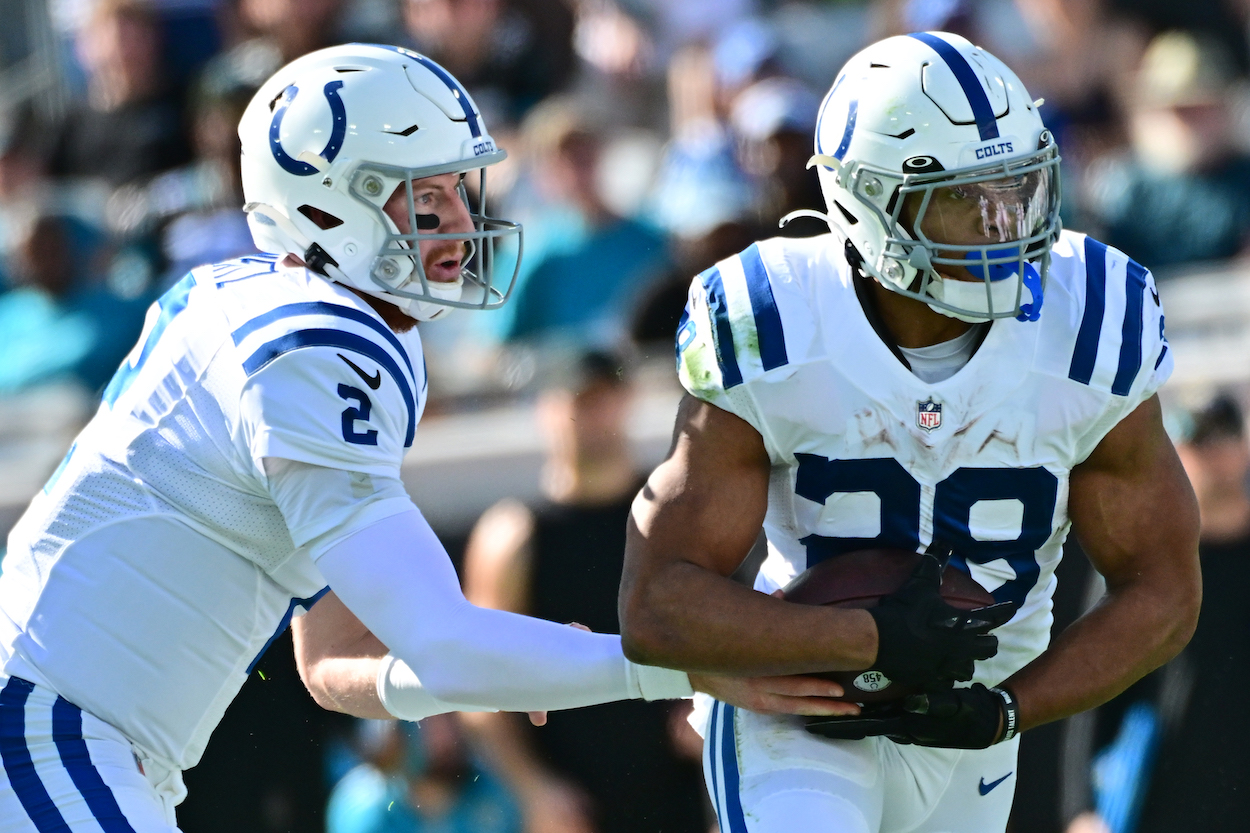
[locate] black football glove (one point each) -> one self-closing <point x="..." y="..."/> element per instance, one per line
<point x="961" y="718"/>
<point x="924" y="642"/>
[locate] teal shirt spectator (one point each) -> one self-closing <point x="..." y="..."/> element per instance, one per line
<point x="1164" y="219"/>
<point x="82" y="337"/>
<point x="368" y="800"/>
<point x="586" y="292"/>
<point x="61" y="320"/>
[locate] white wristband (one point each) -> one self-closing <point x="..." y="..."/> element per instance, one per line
<point x="402" y="695"/>
<point x="650" y="682"/>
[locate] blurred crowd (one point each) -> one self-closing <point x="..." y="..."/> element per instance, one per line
<point x="647" y="139"/>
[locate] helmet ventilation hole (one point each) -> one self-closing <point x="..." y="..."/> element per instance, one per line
<point x="323" y="220"/>
<point x="850" y="218"/>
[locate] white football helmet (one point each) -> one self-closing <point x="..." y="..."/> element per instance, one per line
<point x="326" y="142"/>
<point x="931" y="154"/>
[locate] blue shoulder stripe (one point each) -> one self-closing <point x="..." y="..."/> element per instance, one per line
<point x="982" y="110"/>
<point x="768" y="329"/>
<point x="726" y="356"/>
<point x="1130" y="342"/>
<point x="67" y="734"/>
<point x="1086" y="353"/>
<point x="323" y="308"/>
<point x="19" y="766"/>
<point x="282" y="345"/>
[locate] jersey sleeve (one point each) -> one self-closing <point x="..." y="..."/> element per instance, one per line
<point x="1120" y="348"/>
<point x="329" y="405"/>
<point x="732" y="337"/>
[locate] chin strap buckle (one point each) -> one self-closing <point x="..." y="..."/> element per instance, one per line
<point x="317" y="258"/>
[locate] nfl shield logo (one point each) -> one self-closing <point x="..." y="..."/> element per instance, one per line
<point x="929" y="415"/>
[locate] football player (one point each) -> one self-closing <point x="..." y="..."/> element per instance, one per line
<point x="946" y="365"/>
<point x="246" y="457"/>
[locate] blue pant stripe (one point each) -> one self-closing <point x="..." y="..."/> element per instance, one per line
<point x="18" y="765"/>
<point x="768" y="329"/>
<point x="713" y="760"/>
<point x="737" y="822"/>
<point x="1086" y="352"/>
<point x="67" y="733"/>
<point x="1131" y="332"/>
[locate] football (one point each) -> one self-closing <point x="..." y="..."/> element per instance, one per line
<point x="858" y="580"/>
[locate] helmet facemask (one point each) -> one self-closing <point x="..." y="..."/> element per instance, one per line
<point x="398" y="270"/>
<point x="991" y="225"/>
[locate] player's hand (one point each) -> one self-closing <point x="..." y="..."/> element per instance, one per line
<point x="923" y="641"/>
<point x="776" y="695"/>
<point x="961" y="718"/>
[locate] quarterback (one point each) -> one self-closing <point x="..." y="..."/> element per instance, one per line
<point x="245" y="459"/>
<point x="946" y="366"/>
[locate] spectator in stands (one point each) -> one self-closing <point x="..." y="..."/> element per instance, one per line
<point x="509" y="54"/>
<point x="60" y="323"/>
<point x="1184" y="196"/>
<point x="1200" y="781"/>
<point x="195" y="210"/>
<point x="274" y="33"/>
<point x="130" y="126"/>
<point x="700" y="183"/>
<point x="22" y="151"/>
<point x="603" y="769"/>
<point x="773" y="121"/>
<point x="1180" y="759"/>
<point x="418" y="778"/>
<point x="591" y="265"/>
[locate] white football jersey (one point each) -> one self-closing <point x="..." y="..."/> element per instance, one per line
<point x="865" y="454"/>
<point x="147" y="579"/>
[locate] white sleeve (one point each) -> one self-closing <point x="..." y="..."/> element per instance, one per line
<point x="321" y="505"/>
<point x="396" y="577"/>
<point x="309" y="405"/>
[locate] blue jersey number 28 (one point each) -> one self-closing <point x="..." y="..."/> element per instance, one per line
<point x="1035" y="488"/>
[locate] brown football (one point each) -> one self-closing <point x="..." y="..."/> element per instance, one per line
<point x="858" y="580"/>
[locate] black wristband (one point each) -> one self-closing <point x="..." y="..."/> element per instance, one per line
<point x="1011" y="713"/>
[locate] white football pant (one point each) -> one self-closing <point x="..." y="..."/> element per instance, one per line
<point x="65" y="771"/>
<point x="767" y="774"/>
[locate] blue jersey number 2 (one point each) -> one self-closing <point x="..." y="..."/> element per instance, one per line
<point x="360" y="412"/>
<point x="1035" y="488"/>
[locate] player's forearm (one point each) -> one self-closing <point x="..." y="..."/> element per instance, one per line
<point x="684" y="616"/>
<point x="397" y="578"/>
<point x="348" y="685"/>
<point x="1130" y="633"/>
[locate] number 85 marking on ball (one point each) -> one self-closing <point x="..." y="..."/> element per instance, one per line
<point x="1035" y="488"/>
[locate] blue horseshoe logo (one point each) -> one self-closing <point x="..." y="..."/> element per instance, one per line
<point x="337" y="132"/>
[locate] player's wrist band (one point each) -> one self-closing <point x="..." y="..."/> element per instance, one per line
<point x="1011" y="713"/>
<point x="650" y="682"/>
